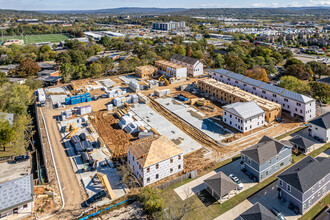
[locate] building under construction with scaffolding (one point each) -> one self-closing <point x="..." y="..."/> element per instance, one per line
<point x="232" y="94"/>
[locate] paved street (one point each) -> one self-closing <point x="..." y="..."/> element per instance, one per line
<point x="197" y="185"/>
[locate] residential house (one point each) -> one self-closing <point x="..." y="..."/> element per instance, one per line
<point x="171" y="69"/>
<point x="194" y="66"/>
<point x="243" y="116"/>
<point x="295" y="104"/>
<point x="48" y="73"/>
<point x="154" y="158"/>
<point x="301" y="144"/>
<point x="319" y="128"/>
<point x="257" y="212"/>
<point x="50" y="80"/>
<point x="305" y="183"/>
<point x="265" y="158"/>
<point x="16" y="198"/>
<point x="220" y="186"/>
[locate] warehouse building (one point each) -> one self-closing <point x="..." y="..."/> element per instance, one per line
<point x="145" y="71"/>
<point x="230" y="94"/>
<point x="194" y="66"/>
<point x="243" y="116"/>
<point x="168" y="26"/>
<point x="171" y="69"/>
<point x="295" y="104"/>
<point x="154" y="158"/>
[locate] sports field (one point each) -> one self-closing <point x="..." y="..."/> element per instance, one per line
<point x="31" y="39"/>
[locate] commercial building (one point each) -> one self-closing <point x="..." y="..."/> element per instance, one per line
<point x="30" y="21"/>
<point x="220" y="186"/>
<point x="171" y="69"/>
<point x="231" y="94"/>
<point x="145" y="71"/>
<point x="168" y="26"/>
<point x="243" y="116"/>
<point x="154" y="158"/>
<point x="305" y="183"/>
<point x="16" y="198"/>
<point x="265" y="158"/>
<point x="257" y="212"/>
<point x="194" y="66"/>
<point x="319" y="128"/>
<point x="295" y="104"/>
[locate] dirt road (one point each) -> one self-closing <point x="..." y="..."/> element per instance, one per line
<point x="72" y="193"/>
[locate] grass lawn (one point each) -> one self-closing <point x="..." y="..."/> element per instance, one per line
<point x="216" y="209"/>
<point x="12" y="150"/>
<point x="30" y="39"/>
<point x="289" y="133"/>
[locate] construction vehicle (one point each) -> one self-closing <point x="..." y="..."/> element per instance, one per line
<point x="207" y="66"/>
<point x="73" y="132"/>
<point x="162" y="77"/>
<point x="67" y="127"/>
<point x="105" y="182"/>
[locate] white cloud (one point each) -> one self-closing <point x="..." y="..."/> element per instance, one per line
<point x="320" y="3"/>
<point x="258" y="5"/>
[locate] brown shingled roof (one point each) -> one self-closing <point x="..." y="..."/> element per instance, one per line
<point x="154" y="149"/>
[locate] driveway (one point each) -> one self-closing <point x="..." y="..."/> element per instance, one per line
<point x="197" y="185"/>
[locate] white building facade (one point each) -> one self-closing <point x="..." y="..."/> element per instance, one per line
<point x="319" y="128"/>
<point x="243" y="116"/>
<point x="295" y="104"/>
<point x="194" y="66"/>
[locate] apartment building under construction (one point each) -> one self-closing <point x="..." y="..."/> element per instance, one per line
<point x="231" y="94"/>
<point x="171" y="69"/>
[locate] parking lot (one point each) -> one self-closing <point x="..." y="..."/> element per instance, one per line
<point x="197" y="185"/>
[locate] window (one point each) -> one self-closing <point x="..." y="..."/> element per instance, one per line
<point x="249" y="161"/>
<point x="276" y="157"/>
<point x="267" y="173"/>
<point x="263" y="91"/>
<point x="288" y="187"/>
<point x="179" y="157"/>
<point x="171" y="170"/>
<point x="274" y="95"/>
<point x="171" y="160"/>
<point x="313" y="188"/>
<point x="254" y="88"/>
<point x="225" y="113"/>
<point x="270" y="161"/>
<point x="281" y="182"/>
<point x="243" y="157"/>
<point x="179" y="167"/>
<point x="148" y="180"/>
<point x="157" y="166"/>
<point x="319" y="193"/>
<point x="157" y="176"/>
<point x="304" y="206"/>
<point x="260" y="176"/>
<point x="276" y="167"/>
<point x="148" y="170"/>
<point x="25" y="206"/>
<point x="281" y="164"/>
<point x="286" y="100"/>
<point x="230" y="116"/>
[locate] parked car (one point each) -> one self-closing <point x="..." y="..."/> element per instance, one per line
<point x="278" y="214"/>
<point x="22" y="158"/>
<point x="95" y="198"/>
<point x="236" y="180"/>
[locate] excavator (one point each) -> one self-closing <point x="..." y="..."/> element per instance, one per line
<point x="162" y="77"/>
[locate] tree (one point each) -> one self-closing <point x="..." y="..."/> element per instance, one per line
<point x="259" y="61"/>
<point x="3" y="78"/>
<point x="28" y="67"/>
<point x="45" y="49"/>
<point x="278" y="56"/>
<point x="197" y="54"/>
<point x="292" y="61"/>
<point x="96" y="70"/>
<point x="320" y="90"/>
<point x="180" y="49"/>
<point x="293" y="84"/>
<point x="66" y="72"/>
<point x="77" y="57"/>
<point x="63" y="57"/>
<point x="258" y="74"/>
<point x="7" y="133"/>
<point x="151" y="200"/>
<point x="219" y="61"/>
<point x="33" y="84"/>
<point x="318" y="68"/>
<point x="236" y="64"/>
<point x="298" y="70"/>
<point x="105" y="41"/>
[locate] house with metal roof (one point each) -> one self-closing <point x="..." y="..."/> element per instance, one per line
<point x="220" y="186"/>
<point x="319" y="128"/>
<point x="305" y="183"/>
<point x="295" y="104"/>
<point x="243" y="116"/>
<point x="257" y="212"/>
<point x="16" y="197"/>
<point x="302" y="144"/>
<point x="194" y="66"/>
<point x="154" y="158"/>
<point x="265" y="158"/>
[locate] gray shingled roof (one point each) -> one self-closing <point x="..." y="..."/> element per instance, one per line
<point x="301" y="141"/>
<point x="221" y="183"/>
<point x="15" y="193"/>
<point x="264" y="150"/>
<point x="244" y="110"/>
<point x="222" y="71"/>
<point x="272" y="88"/>
<point x="236" y="76"/>
<point x="302" y="175"/>
<point x="322" y="121"/>
<point x="258" y="212"/>
<point x="296" y="96"/>
<point x="184" y="59"/>
<point x="252" y="82"/>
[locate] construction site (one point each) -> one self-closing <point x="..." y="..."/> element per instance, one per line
<point x="99" y="119"/>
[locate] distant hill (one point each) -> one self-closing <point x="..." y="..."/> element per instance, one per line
<point x="127" y="10"/>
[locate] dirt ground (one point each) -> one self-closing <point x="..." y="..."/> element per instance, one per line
<point x="44" y="200"/>
<point x="116" y="139"/>
<point x="132" y="211"/>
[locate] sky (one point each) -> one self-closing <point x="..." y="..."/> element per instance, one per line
<point x="103" y="4"/>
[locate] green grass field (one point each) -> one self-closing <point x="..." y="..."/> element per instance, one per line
<point x="31" y="39"/>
